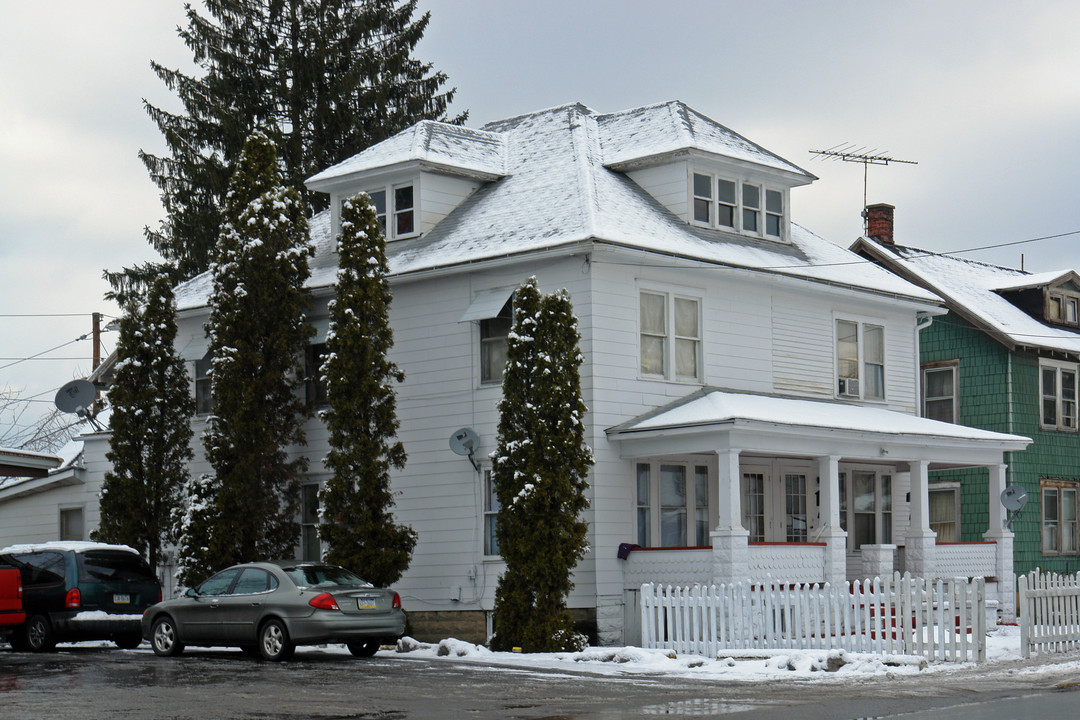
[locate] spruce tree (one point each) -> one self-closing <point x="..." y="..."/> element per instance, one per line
<point x="356" y="501"/>
<point x="258" y="331"/>
<point x="539" y="469"/>
<point x="323" y="78"/>
<point x="151" y="431"/>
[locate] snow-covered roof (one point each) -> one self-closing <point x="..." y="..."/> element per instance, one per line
<point x="558" y="192"/>
<point x="451" y="148"/>
<point x="973" y="289"/>
<point x="712" y="406"/>
<point x="64" y="545"/>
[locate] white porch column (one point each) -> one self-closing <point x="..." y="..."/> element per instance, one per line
<point x="921" y="543"/>
<point x="832" y="534"/>
<point x="1003" y="537"/>
<point x="730" y="539"/>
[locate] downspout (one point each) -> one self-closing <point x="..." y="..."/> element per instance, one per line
<point x="1008" y="456"/>
<point x="922" y="321"/>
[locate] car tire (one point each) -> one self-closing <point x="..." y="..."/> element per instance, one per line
<point x="38" y="635"/>
<point x="164" y="638"/>
<point x="363" y="648"/>
<point x="128" y="642"/>
<point x="274" y="642"/>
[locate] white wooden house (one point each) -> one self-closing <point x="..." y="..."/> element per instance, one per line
<point x="753" y="388"/>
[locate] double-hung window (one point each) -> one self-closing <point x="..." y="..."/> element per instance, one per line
<point x="860" y="360"/>
<point x="491" y="513"/>
<point x="670" y="336"/>
<point x="1057" y="391"/>
<point x="493" y="335"/>
<point x="1062" y="308"/>
<point x="672" y="504"/>
<point x="866" y="507"/>
<point x="944" y="500"/>
<point x="728" y="204"/>
<point x="1059" y="518"/>
<point x="396" y="202"/>
<point x="939" y="392"/>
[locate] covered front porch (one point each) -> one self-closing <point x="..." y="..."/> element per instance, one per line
<point x="734" y="487"/>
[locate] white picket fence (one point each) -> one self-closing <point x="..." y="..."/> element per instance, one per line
<point x="896" y="615"/>
<point x="1049" y="612"/>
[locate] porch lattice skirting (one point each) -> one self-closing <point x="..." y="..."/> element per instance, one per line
<point x="1049" y="612"/>
<point x="898" y="615"/>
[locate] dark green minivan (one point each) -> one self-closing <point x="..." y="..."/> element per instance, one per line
<point x="76" y="591"/>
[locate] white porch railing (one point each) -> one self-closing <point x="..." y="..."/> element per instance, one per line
<point x="897" y="615"/>
<point x="1049" y="612"/>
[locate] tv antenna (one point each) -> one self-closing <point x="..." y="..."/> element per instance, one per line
<point x="848" y="152"/>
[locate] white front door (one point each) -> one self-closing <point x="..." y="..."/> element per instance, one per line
<point x="776" y="500"/>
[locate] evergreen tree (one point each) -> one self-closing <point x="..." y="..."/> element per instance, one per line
<point x="151" y="430"/>
<point x="356" y="501"/>
<point x="324" y="79"/>
<point x="258" y="332"/>
<point x="539" y="469"/>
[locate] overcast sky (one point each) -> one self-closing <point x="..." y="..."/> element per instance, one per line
<point x="983" y="95"/>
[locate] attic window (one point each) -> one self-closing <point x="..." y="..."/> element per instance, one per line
<point x="1062" y="308"/>
<point x="725" y="204"/>
<point x="402" y="210"/>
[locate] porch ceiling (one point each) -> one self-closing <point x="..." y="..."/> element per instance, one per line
<point x="712" y="419"/>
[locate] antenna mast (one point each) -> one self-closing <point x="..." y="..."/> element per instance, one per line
<point x="849" y="153"/>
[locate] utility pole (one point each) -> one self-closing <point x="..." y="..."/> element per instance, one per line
<point x="847" y="152"/>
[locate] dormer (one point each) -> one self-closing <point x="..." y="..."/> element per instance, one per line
<point x="417" y="177"/>
<point x="1052" y="297"/>
<point x="704" y="173"/>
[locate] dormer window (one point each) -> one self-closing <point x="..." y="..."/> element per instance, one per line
<point x="1062" y="308"/>
<point x="402" y="210"/>
<point x="744" y="207"/>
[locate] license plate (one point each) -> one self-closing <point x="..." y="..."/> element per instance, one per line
<point x="365" y="603"/>
<point x="121" y="599"/>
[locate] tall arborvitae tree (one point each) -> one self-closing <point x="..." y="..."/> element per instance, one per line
<point x="356" y="501"/>
<point x="539" y="468"/>
<point x="151" y="430"/>
<point x="324" y="78"/>
<point x="258" y="332"/>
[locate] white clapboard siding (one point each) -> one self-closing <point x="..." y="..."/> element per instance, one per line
<point x="900" y="615"/>
<point x="1049" y="612"/>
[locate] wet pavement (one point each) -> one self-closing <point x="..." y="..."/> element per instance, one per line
<point x="101" y="682"/>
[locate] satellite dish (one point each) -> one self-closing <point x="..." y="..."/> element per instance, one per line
<point x="76" y="397"/>
<point x="464" y="442"/>
<point x="1014" y="498"/>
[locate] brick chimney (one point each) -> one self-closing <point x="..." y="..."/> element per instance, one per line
<point x="879" y="223"/>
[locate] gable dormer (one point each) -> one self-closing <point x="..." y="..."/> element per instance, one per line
<point x="704" y="173"/>
<point x="1052" y="297"/>
<point x="415" y="178"/>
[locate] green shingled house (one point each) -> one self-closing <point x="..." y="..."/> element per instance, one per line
<point x="1004" y="358"/>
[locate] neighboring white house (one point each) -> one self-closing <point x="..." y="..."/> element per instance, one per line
<point x="753" y="388"/>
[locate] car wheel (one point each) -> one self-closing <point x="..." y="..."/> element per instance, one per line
<point x="128" y="642"/>
<point x="363" y="648"/>
<point x="38" y="634"/>
<point x="164" y="638"/>
<point x="274" y="642"/>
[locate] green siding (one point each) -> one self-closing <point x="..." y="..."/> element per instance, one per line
<point x="983" y="402"/>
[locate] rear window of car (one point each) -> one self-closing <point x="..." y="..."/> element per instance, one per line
<point x="45" y="567"/>
<point x="321" y="576"/>
<point x="113" y="566"/>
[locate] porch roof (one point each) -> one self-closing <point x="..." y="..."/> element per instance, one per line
<point x="770" y="423"/>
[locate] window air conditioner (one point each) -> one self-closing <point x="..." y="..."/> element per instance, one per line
<point x="849" y="387"/>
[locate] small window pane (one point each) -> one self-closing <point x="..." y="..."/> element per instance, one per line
<point x="1068" y="520"/>
<point x="750" y="220"/>
<point x="725" y="191"/>
<point x="701" y="494"/>
<point x="725" y="215"/>
<point x="875" y="344"/>
<point x="653" y="314"/>
<point x="378" y="199"/>
<point x="847" y="348"/>
<point x="702" y="186"/>
<point x="1050" y="520"/>
<point x="403" y="198"/>
<point x="772" y="225"/>
<point x="774" y="201"/>
<point x="701" y="210"/>
<point x="686" y="318"/>
<point x="686" y="358"/>
<point x="751" y="196"/>
<point x="939" y="383"/>
<point x="672" y="485"/>
<point x="652" y="355"/>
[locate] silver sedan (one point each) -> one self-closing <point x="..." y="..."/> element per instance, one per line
<point x="267" y="609"/>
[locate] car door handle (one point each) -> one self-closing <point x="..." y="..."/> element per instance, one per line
<point x="256" y="604"/>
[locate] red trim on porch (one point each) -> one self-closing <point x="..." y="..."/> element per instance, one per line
<point x="688" y="547"/>
<point x="796" y="544"/>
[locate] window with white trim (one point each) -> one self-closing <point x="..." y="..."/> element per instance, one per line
<point x="493" y="335"/>
<point x="204" y="398"/>
<point x="940" y="392"/>
<point x="944" y="501"/>
<point x="71" y="524"/>
<point x="401" y="209"/>
<point x="1058" y="395"/>
<point x="670" y="336"/>
<point x="1062" y="308"/>
<point x="746" y="207"/>
<point x="1059" y="517"/>
<point x="672" y="504"/>
<point x="491" y="513"/>
<point x="860" y="359"/>
<point x="866" y="507"/>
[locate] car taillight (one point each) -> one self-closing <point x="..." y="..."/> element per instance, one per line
<point x="73" y="599"/>
<point x="159" y="594"/>
<point x="18" y="587"/>
<point x="325" y="601"/>
<point x="397" y="602"/>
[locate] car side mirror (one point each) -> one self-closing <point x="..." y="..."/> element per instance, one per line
<point x="191" y="592"/>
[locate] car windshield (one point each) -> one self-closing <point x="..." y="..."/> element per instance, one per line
<point x="113" y="565"/>
<point x="321" y="576"/>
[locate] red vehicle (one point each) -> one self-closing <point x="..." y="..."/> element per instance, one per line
<point x="11" y="603"/>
